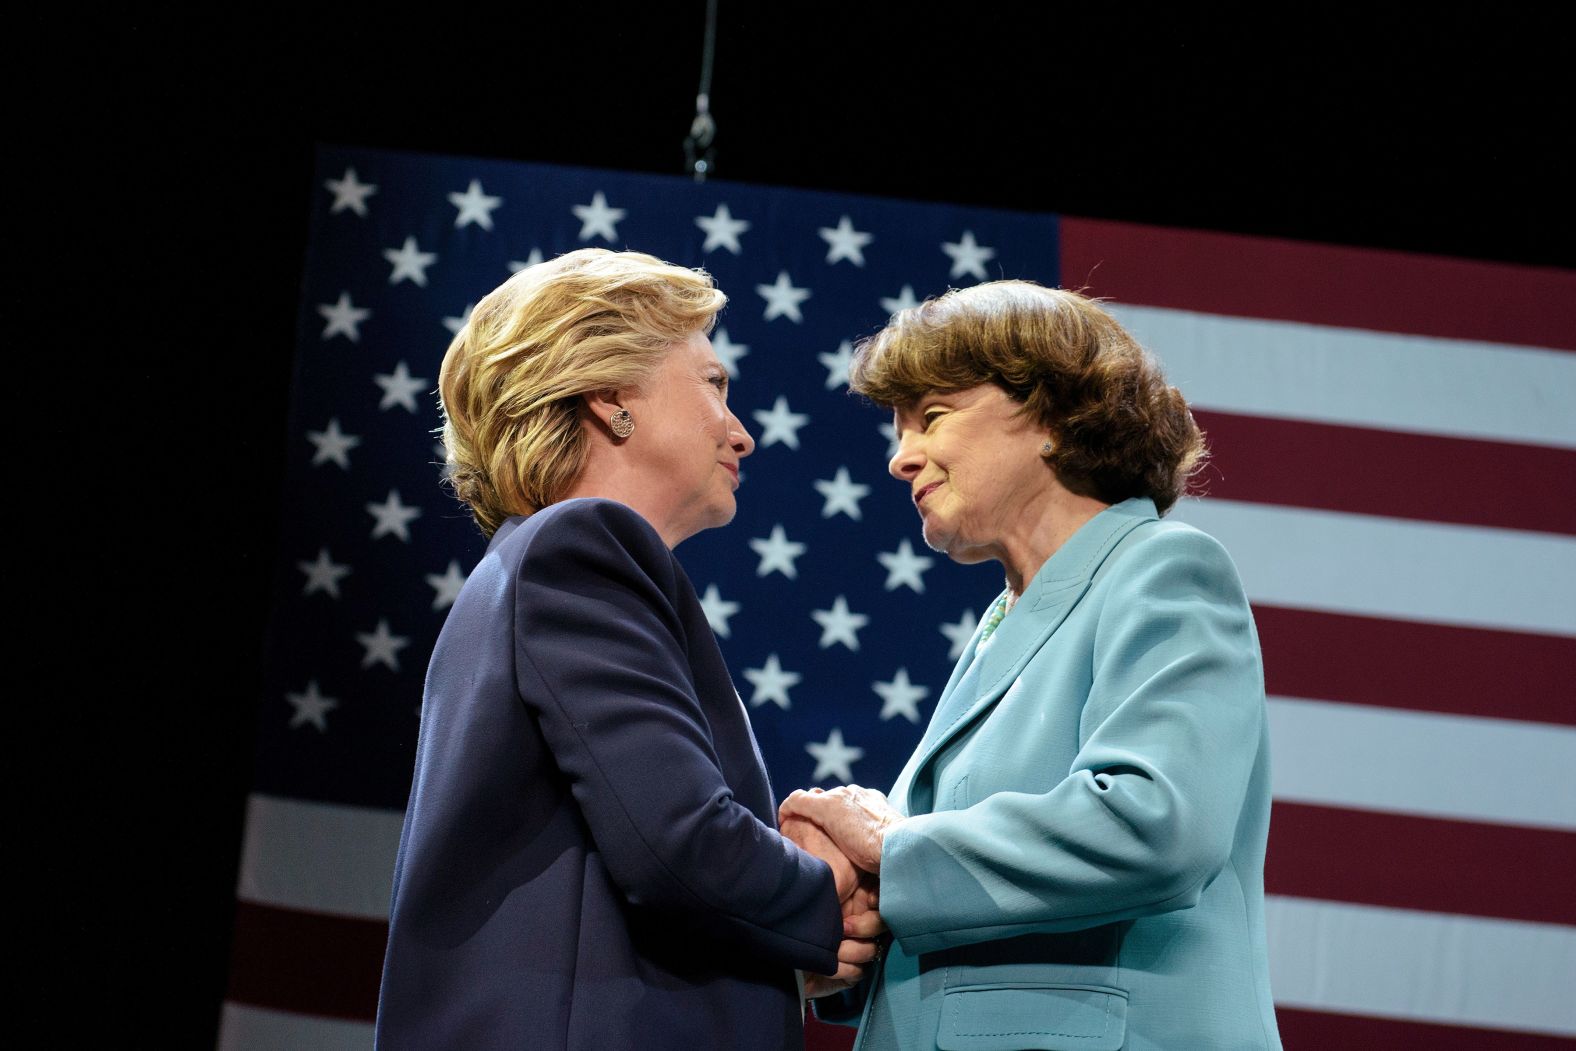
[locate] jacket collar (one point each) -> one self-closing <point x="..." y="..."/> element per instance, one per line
<point x="1058" y="586"/>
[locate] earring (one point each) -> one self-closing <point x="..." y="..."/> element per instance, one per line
<point x="1047" y="449"/>
<point x="622" y="423"/>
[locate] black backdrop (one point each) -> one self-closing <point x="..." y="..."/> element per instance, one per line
<point x="163" y="186"/>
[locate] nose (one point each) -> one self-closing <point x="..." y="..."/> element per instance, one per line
<point x="908" y="461"/>
<point x="739" y="438"/>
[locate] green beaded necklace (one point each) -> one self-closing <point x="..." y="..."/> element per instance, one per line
<point x="997" y="612"/>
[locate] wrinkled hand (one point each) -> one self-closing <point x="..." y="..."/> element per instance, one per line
<point x="808" y="837"/>
<point x="854" y="818"/>
<point x="858" y="888"/>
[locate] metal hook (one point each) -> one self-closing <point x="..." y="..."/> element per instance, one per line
<point x="698" y="151"/>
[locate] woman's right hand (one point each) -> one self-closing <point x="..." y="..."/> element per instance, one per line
<point x="808" y="836"/>
<point x="854" y="957"/>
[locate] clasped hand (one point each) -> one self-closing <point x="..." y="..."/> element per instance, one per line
<point x="845" y="828"/>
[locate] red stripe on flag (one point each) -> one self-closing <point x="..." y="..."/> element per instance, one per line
<point x="1316" y="1030"/>
<point x="820" y="1036"/>
<point x="1373" y="472"/>
<point x="307" y="962"/>
<point x="1322" y="284"/>
<point x="1421" y="667"/>
<point x="1421" y="863"/>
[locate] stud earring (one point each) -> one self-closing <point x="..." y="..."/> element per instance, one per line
<point x="1047" y="449"/>
<point x="622" y="423"/>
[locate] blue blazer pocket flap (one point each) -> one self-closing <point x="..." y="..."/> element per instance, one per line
<point x="1032" y="1017"/>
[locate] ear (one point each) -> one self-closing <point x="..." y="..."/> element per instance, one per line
<point x="603" y="404"/>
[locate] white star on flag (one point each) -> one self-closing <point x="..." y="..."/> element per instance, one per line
<point x="782" y="298"/>
<point x="475" y="206"/>
<point x="960" y="633"/>
<point x="399" y="388"/>
<point x="349" y="192"/>
<point x="597" y="219"/>
<point x="889" y="432"/>
<point x="722" y="230"/>
<point x="771" y="683"/>
<point x="900" y="697"/>
<point x="836" y="364"/>
<point x="904" y="300"/>
<point x="842" y="494"/>
<point x="344" y="318"/>
<point x="781" y="424"/>
<point x="717" y="610"/>
<point x="311" y="707"/>
<point x="904" y="567"/>
<point x="844" y="242"/>
<point x="393" y="517"/>
<point x="332" y="444"/>
<point x="968" y="257"/>
<point x="834" y="758"/>
<point x="517" y="265"/>
<point x="447" y="585"/>
<point x="728" y="352"/>
<point x="777" y="553"/>
<point x="324" y="574"/>
<point x="838" y="624"/>
<point x="409" y="262"/>
<point x="454" y="324"/>
<point x="381" y="646"/>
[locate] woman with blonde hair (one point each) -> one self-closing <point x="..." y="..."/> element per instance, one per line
<point x="590" y="856"/>
<point x="1074" y="856"/>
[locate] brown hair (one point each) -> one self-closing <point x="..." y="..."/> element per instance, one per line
<point x="1118" y="428"/>
<point x="513" y="377"/>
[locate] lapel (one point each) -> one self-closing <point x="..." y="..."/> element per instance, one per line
<point x="980" y="679"/>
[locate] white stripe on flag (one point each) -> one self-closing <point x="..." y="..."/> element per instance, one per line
<point x="246" y="1028"/>
<point x="319" y="857"/>
<point x="1424" y="966"/>
<point x="1449" y="766"/>
<point x="1392" y="567"/>
<point x="1362" y="378"/>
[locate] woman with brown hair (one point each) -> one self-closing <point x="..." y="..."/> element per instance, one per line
<point x="1074" y="856"/>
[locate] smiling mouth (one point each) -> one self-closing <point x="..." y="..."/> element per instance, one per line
<point x="919" y="497"/>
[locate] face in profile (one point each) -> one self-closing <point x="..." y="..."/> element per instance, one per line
<point x="973" y="466"/>
<point x="688" y="441"/>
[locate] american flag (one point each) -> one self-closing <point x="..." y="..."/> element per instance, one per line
<point x="1394" y="456"/>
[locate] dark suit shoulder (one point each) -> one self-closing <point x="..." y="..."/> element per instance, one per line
<point x="590" y="526"/>
<point x="583" y="548"/>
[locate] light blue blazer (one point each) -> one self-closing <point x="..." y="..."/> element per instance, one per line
<point x="1083" y="866"/>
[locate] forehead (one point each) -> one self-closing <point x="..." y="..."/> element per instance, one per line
<point x="694" y="350"/>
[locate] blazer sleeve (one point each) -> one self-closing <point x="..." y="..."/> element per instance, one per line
<point x="603" y="665"/>
<point x="1146" y="816"/>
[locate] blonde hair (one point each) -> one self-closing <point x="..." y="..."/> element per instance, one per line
<point x="1118" y="429"/>
<point x="511" y="382"/>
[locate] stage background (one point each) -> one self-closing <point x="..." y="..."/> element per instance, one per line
<point x="172" y="223"/>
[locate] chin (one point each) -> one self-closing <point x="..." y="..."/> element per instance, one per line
<point x="936" y="540"/>
<point x="949" y="544"/>
<point x="721" y="514"/>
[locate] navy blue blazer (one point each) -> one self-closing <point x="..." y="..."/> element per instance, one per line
<point x="590" y="856"/>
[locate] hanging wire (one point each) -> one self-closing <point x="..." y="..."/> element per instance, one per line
<point x="698" y="150"/>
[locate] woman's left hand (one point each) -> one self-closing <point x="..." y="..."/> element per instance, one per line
<point x="855" y="818"/>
